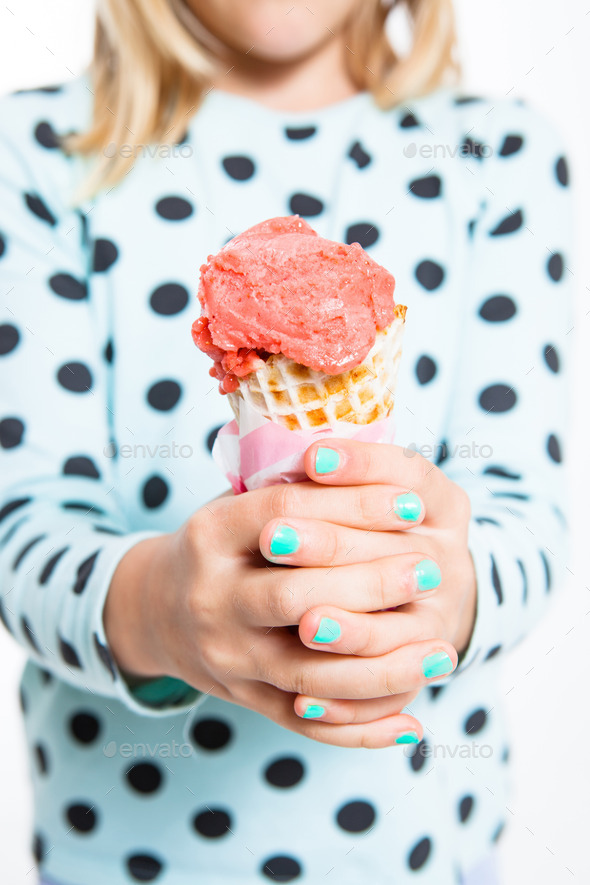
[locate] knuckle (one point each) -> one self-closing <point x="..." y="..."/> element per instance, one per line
<point x="381" y="584"/>
<point x="283" y="499"/>
<point x="280" y="601"/>
<point x="365" y="504"/>
<point x="367" y="642"/>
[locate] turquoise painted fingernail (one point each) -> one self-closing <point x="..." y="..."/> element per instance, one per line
<point x="328" y="631"/>
<point x="313" y="711"/>
<point x="284" y="541"/>
<point x="408" y="506"/>
<point x="438" y="664"/>
<point x="326" y="460"/>
<point x="408" y="737"/>
<point x="428" y="574"/>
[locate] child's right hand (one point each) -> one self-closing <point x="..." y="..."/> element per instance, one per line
<point x="203" y="605"/>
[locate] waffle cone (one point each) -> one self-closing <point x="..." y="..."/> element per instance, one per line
<point x="300" y="398"/>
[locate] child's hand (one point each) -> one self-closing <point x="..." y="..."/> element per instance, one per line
<point x="205" y="606"/>
<point x="435" y="620"/>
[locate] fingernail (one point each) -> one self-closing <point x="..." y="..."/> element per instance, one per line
<point x="313" y="711"/>
<point x="328" y="631"/>
<point x="428" y="574"/>
<point x="408" y="506"/>
<point x="408" y="737"/>
<point x="284" y="541"/>
<point x="438" y="664"/>
<point x="326" y="460"/>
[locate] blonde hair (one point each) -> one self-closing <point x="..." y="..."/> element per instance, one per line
<point x="153" y="62"/>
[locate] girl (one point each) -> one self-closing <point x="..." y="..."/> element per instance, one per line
<point x="195" y="712"/>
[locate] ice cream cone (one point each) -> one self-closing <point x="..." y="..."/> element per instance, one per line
<point x="300" y="398"/>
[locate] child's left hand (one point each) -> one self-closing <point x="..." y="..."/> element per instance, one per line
<point x="447" y="614"/>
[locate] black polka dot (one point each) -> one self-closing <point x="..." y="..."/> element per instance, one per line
<point x="420" y="854"/>
<point x="45" y="676"/>
<point x="442" y="453"/>
<point x="554" y="448"/>
<point x="562" y="172"/>
<point x="497" y="584"/>
<point x="418" y="756"/>
<point x="212" y="823"/>
<point x="359" y="155"/>
<point x="29" y="635"/>
<point x="471" y="225"/>
<point x="144" y="867"/>
<point x="67" y="286"/>
<point x="41" y="758"/>
<point x="465" y="808"/>
<point x="300" y="133"/>
<point x="109" y="352"/>
<point x="84" y="727"/>
<point x="305" y="205"/>
<point x="212" y="436"/>
<point x="551" y="357"/>
<point x="363" y="233"/>
<point x="284" y="772"/>
<point x="11" y="432"/>
<point x="429" y="274"/>
<point x="82" y="505"/>
<point x="502" y="472"/>
<point x="69" y="654"/>
<point x="472" y="148"/>
<point x="506" y="755"/>
<point x="22" y="553"/>
<point x="427" y="188"/>
<point x="425" y="369"/>
<point x="13" y="505"/>
<point x="475" y="722"/>
<point x="9" y="338"/>
<point x="81" y="817"/>
<point x="46" y="135"/>
<point x="169" y="299"/>
<point x="409" y="121"/>
<point x="154" y="492"/>
<point x="3" y="616"/>
<point x="498" y="833"/>
<point x="547" y="570"/>
<point x="145" y="777"/>
<point x="354" y="817"/>
<point x="467" y="99"/>
<point x="104" y="655"/>
<point x="508" y="225"/>
<point x="50" y="565"/>
<point x="164" y="395"/>
<point x="84" y="572"/>
<point x="211" y="734"/>
<point x="2" y="245"/>
<point x="555" y="267"/>
<point x="38" y="848"/>
<point x="497" y="309"/>
<point x="105" y="255"/>
<point x="36" y="205"/>
<point x="497" y="398"/>
<point x="493" y="652"/>
<point x="81" y="465"/>
<point x="238" y="167"/>
<point x="75" y="377"/>
<point x="24" y="704"/>
<point x="486" y="520"/>
<point x="435" y="690"/>
<point x="174" y="208"/>
<point x="511" y="145"/>
<point x="281" y="868"/>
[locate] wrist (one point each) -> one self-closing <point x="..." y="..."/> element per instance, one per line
<point x="132" y="619"/>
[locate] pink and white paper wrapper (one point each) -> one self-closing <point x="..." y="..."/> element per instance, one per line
<point x="255" y="452"/>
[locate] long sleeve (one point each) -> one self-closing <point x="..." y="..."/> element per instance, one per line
<point x="62" y="531"/>
<point x="506" y="433"/>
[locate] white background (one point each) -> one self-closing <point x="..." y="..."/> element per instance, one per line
<point x="539" y="50"/>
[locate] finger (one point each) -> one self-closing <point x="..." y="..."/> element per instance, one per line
<point x="280" y="597"/>
<point x="343" y="712"/>
<point x="313" y="542"/>
<point x="365" y="635"/>
<point x="346" y="462"/>
<point x="306" y="672"/>
<point x="375" y="507"/>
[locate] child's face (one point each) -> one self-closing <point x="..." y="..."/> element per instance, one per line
<point x="273" y="30"/>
